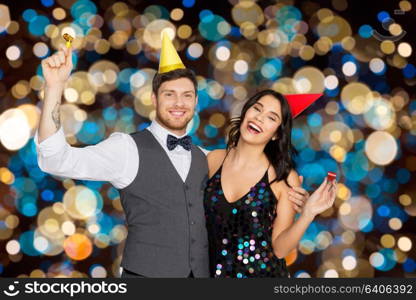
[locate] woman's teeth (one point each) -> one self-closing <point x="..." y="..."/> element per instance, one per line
<point x="253" y="127"/>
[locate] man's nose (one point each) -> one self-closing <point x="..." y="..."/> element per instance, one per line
<point x="179" y="101"/>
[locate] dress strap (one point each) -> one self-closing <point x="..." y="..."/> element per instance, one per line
<point x="226" y="153"/>
<point x="267" y="173"/>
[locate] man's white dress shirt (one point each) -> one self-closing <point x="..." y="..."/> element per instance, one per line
<point x="115" y="159"/>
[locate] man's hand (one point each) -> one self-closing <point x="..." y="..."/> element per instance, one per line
<point x="298" y="196"/>
<point x="57" y="68"/>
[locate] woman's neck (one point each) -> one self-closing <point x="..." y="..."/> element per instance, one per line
<point x="247" y="155"/>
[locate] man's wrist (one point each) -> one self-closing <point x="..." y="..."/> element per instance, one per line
<point x="55" y="86"/>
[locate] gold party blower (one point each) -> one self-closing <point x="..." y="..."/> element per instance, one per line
<point x="68" y="39"/>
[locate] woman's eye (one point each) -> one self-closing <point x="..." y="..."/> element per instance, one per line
<point x="256" y="108"/>
<point x="273" y="119"/>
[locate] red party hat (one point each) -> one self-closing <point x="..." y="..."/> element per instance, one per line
<point x="299" y="102"/>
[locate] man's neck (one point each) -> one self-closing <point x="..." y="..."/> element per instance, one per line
<point x="177" y="132"/>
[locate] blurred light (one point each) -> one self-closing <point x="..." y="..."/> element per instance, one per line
<point x="382" y="16"/>
<point x="13" y="247"/>
<point x="365" y="31"/>
<point x="153" y="32"/>
<point x="357" y="97"/>
<point x="38" y="24"/>
<point x="377" y="65"/>
<point x="331" y="273"/>
<point x="387" y="241"/>
<point x="223" y="53"/>
<point x="240" y="67"/>
<point x="349" y="262"/>
<point x="358" y="215"/>
<point x="13" y="53"/>
<point x="309" y="80"/>
<point x="349" y="68"/>
<point x="29" y="15"/>
<point x="80" y="202"/>
<point x="68" y="228"/>
<point x="195" y="50"/>
<point x="188" y="3"/>
<point x="78" y="246"/>
<point x="376" y="259"/>
<point x="395" y="223"/>
<point x="98" y="272"/>
<point x="40" y="49"/>
<point x="381" y="147"/>
<point x="381" y="114"/>
<point x="387" y="47"/>
<point x="47" y="3"/>
<point x="404" y="243"/>
<point x="14" y="129"/>
<point x="176" y="14"/>
<point x="59" y="13"/>
<point x="331" y="82"/>
<point x="184" y="31"/>
<point x="404" y="49"/>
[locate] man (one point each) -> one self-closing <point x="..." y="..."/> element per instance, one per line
<point x="159" y="173"/>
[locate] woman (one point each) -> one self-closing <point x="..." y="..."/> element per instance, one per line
<point x="249" y="213"/>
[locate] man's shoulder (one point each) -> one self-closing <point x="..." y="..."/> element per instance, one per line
<point x="205" y="151"/>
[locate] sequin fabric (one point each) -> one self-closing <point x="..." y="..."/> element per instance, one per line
<point x="239" y="233"/>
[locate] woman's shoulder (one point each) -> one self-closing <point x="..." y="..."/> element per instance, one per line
<point x="217" y="154"/>
<point x="293" y="178"/>
<point x="278" y="186"/>
<point x="215" y="158"/>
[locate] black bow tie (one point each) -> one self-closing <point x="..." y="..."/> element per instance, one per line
<point x="185" y="142"/>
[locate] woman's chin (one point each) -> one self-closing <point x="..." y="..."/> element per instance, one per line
<point x="253" y="139"/>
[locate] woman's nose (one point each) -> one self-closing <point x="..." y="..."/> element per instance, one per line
<point x="259" y="118"/>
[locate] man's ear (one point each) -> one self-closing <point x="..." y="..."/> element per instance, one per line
<point x="153" y="96"/>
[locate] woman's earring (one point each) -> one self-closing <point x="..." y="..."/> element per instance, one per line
<point x="274" y="138"/>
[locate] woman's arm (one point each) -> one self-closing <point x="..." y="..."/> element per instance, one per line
<point x="286" y="233"/>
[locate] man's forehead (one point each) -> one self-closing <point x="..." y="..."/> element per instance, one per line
<point x="178" y="86"/>
<point x="176" y="89"/>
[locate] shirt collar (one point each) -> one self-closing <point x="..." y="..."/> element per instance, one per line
<point x="161" y="132"/>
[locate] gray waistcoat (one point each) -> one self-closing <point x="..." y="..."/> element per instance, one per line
<point x="167" y="236"/>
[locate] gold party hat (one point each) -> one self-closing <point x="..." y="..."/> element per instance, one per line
<point x="169" y="58"/>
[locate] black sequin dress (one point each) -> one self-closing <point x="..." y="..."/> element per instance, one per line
<point x="240" y="233"/>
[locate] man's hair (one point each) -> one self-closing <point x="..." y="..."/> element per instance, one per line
<point x="160" y="78"/>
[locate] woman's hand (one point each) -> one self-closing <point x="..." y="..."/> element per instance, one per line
<point x="322" y="199"/>
<point x="57" y="68"/>
<point x="298" y="196"/>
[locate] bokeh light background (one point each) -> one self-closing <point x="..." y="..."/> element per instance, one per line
<point x="360" y="54"/>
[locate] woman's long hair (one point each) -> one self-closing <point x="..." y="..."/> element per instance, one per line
<point x="279" y="152"/>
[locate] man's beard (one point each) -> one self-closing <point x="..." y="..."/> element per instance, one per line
<point x="172" y="125"/>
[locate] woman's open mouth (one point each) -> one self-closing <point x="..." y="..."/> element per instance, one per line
<point x="253" y="128"/>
